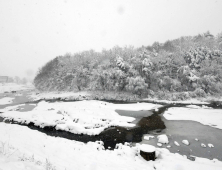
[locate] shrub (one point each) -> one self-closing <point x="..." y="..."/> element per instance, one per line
<point x="137" y="86"/>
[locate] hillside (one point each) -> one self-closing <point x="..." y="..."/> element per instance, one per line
<point x="179" y="69"/>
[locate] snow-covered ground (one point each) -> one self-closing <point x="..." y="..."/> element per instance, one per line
<point x="204" y="115"/>
<point x="190" y="101"/>
<point x="54" y="95"/>
<point x="6" y="100"/>
<point x="82" y="117"/>
<point x="11" y="108"/>
<point x="36" y="150"/>
<point x="8" y="87"/>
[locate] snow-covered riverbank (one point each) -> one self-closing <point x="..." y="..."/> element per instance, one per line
<point x="204" y="115"/>
<point x="42" y="150"/>
<point x="9" y="87"/>
<point x="82" y="117"/>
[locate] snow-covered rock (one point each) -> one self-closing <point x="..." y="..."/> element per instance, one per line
<point x="148" y="137"/>
<point x="210" y="145"/>
<point x="176" y="143"/>
<point x="203" y="145"/>
<point x="163" y="139"/>
<point x="185" y="142"/>
<point x="159" y="144"/>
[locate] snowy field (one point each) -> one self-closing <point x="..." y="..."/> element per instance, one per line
<point x="35" y="150"/>
<point x="8" y="87"/>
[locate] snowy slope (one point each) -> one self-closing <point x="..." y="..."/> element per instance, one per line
<point x="65" y="154"/>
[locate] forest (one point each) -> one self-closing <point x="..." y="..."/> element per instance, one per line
<point x="179" y="69"/>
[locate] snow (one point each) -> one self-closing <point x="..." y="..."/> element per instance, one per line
<point x="34" y="146"/>
<point x="147" y="148"/>
<point x="54" y="95"/>
<point x="148" y="137"/>
<point x="205" y="116"/>
<point x="196" y="139"/>
<point x="82" y="117"/>
<point x="135" y="106"/>
<point x="13" y="163"/>
<point x="6" y="100"/>
<point x="176" y="143"/>
<point x="11" y="108"/>
<point x="159" y="144"/>
<point x="185" y="142"/>
<point x="163" y="139"/>
<point x="8" y="87"/>
<point x="210" y="145"/>
<point x="203" y="145"/>
<point x="191" y="101"/>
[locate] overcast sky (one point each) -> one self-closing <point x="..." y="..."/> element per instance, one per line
<point x="33" y="32"/>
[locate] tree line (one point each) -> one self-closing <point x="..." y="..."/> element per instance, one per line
<point x="190" y="66"/>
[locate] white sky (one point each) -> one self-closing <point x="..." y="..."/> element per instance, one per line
<point x="34" y="31"/>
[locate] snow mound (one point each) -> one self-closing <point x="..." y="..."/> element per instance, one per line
<point x="185" y="142"/>
<point x="148" y="137"/>
<point x="210" y="145"/>
<point x="208" y="116"/>
<point x="203" y="145"/>
<point x="163" y="139"/>
<point x="83" y="117"/>
<point x="159" y="144"/>
<point x="176" y="143"/>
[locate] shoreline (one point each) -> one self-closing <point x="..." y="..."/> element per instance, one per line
<point x="119" y="98"/>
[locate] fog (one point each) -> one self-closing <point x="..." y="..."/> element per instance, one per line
<point x="34" y="32"/>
